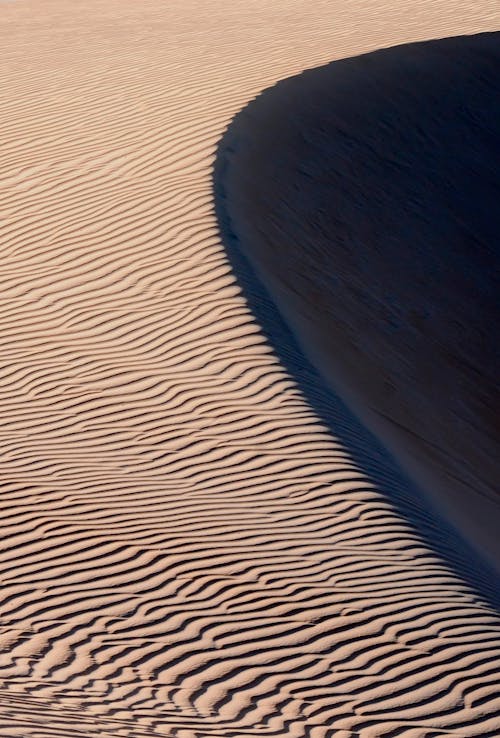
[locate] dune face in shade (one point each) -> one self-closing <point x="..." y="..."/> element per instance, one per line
<point x="367" y="193"/>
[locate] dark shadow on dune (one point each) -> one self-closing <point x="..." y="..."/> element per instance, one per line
<point x="362" y="198"/>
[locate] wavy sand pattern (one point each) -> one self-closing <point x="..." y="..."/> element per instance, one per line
<point x="188" y="548"/>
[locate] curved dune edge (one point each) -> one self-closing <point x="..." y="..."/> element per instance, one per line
<point x="364" y="193"/>
<point x="190" y="548"/>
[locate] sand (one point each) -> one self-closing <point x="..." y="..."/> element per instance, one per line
<point x="194" y="543"/>
<point x="365" y="193"/>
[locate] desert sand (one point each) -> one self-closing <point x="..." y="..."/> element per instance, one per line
<point x="195" y="543"/>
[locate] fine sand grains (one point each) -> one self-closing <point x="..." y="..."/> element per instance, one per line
<point x="187" y="549"/>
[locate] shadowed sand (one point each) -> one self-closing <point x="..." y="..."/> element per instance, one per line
<point x="198" y="539"/>
<point x="366" y="192"/>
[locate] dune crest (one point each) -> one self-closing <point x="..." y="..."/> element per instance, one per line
<point x="366" y="192"/>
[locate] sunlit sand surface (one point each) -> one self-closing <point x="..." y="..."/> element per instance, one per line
<point x="194" y="543"/>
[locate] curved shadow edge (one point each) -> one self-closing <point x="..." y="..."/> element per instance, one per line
<point x="335" y="192"/>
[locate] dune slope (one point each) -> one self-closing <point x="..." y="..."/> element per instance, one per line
<point x="366" y="193"/>
<point x="189" y="547"/>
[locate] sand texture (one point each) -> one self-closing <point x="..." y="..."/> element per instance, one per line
<point x="198" y="538"/>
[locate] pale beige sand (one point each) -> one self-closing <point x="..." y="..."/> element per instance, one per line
<point x="187" y="550"/>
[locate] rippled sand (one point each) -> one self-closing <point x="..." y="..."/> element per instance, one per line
<point x="194" y="544"/>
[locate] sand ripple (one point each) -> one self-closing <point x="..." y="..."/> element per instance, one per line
<point x="188" y="549"/>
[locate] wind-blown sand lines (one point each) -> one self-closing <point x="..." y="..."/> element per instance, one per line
<point x="189" y="547"/>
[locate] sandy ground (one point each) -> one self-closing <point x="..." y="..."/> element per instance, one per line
<point x="192" y="547"/>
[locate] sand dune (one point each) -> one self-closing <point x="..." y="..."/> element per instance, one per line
<point x="365" y="193"/>
<point x="194" y="543"/>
